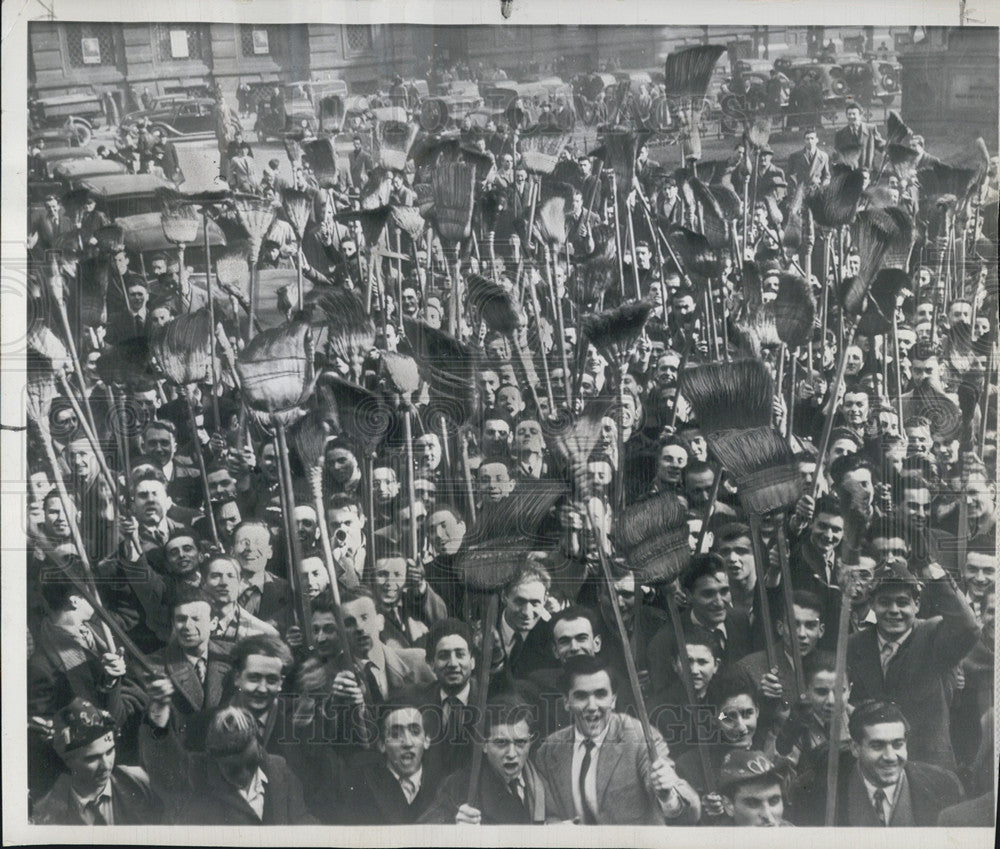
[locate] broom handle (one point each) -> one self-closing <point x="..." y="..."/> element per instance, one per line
<point x="618" y="234"/>
<point x="896" y="369"/>
<point x="211" y="316"/>
<point x="836" y="724"/>
<point x="824" y="443"/>
<point x="209" y="513"/>
<point x="635" y="262"/>
<point x="467" y="475"/>
<point x="793" y="366"/>
<point x="87" y="432"/>
<point x="633" y="673"/>
<point x="370" y="507"/>
<point x="765" y="610"/>
<point x="411" y="490"/>
<point x="254" y="286"/>
<point x="445" y="449"/>
<point x="787" y="593"/>
<point x="71" y="344"/>
<point x="530" y="286"/>
<point x="482" y="690"/>
<point x="684" y="666"/>
<point x="826" y="290"/>
<point x="709" y="510"/>
<point x="292" y="544"/>
<point x="560" y="343"/>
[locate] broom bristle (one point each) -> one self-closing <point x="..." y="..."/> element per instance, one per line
<point x="111" y="238"/>
<point x="181" y="223"/>
<point x="617" y="329"/>
<point x="944" y="415"/>
<point x="293" y="150"/>
<point x="350" y="330"/>
<point x="896" y="131"/>
<point x="738" y="394"/>
<point x="395" y="138"/>
<point x="620" y="146"/>
<point x="694" y="250"/>
<point x="298" y="207"/>
<point x="45" y="343"/>
<point x="592" y="278"/>
<point x="729" y="202"/>
<point x="878" y="234"/>
<point x="409" y="220"/>
<point x="401" y="373"/>
<point x="649" y="517"/>
<point x="454" y="189"/>
<point x="882" y="295"/>
<point x="352" y="411"/>
<point x="233" y="271"/>
<point x="276" y="369"/>
<point x="570" y="443"/>
<point x="551" y="221"/>
<point x="309" y="438"/>
<point x="449" y="367"/>
<point x="759" y="132"/>
<point x="321" y="157"/>
<point x="255" y="217"/>
<point x="745" y="451"/>
<point x="836" y="204"/>
<point x="93" y="275"/>
<point x="794" y="310"/>
<point x="183" y="348"/>
<point x="126" y="363"/>
<point x="495" y="304"/>
<point x="688" y="72"/>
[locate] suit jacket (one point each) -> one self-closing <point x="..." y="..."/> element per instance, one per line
<point x="497" y="804"/>
<point x="859" y="152"/>
<point x="274" y="601"/>
<point x="369" y="794"/>
<point x="802" y="172"/>
<point x="623" y="765"/>
<point x="915" y="678"/>
<point x="534" y="653"/>
<point x="190" y="695"/>
<point x="978" y="812"/>
<point x="132" y="801"/>
<point x="931" y="790"/>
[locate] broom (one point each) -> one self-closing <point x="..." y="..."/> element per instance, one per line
<point x="794" y="310"/>
<point x="255" y="216"/>
<point x="453" y="187"/>
<point x="729" y="395"/>
<point x="395" y="139"/>
<point x="320" y="156"/>
<point x="298" y="210"/>
<point x="880" y="309"/>
<point x="654" y="537"/>
<point x="836" y="204"/>
<point x="448" y="365"/>
<point x="551" y="225"/>
<point x="615" y="331"/>
<point x="232" y="271"/>
<point x="694" y="251"/>
<point x="687" y="76"/>
<point x="293" y="150"/>
<point x="540" y="149"/>
<point x="591" y="280"/>
<point x="350" y="330"/>
<point x="92" y="291"/>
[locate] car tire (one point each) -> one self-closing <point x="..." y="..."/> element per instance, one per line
<point x="81" y="131"/>
<point x="163" y="129"/>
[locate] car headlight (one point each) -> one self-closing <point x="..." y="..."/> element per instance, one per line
<point x="889" y="82"/>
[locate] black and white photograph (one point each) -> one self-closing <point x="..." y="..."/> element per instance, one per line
<point x="443" y="427"/>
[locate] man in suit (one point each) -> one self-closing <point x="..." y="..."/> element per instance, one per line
<point x="262" y="593"/>
<point x="857" y="143"/>
<point x="706" y="584"/>
<point x="599" y="770"/>
<point x="908" y="660"/>
<point x="809" y="167"/>
<point x="813" y="561"/>
<point x="94" y="790"/>
<point x="396" y="786"/>
<point x="510" y="789"/>
<point x="525" y="629"/>
<point x="49" y="227"/>
<point x="159" y="448"/>
<point x="879" y="784"/>
<point x="198" y="674"/>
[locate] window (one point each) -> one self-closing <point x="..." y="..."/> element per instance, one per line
<point x="177" y="42"/>
<point x="90" y="44"/>
<point x="359" y="38"/>
<point x="262" y="40"/>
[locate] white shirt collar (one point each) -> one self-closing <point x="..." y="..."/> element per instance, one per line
<point x="891" y="792"/>
<point x="883" y="641"/>
<point x="721" y="626"/>
<point x="254" y="794"/>
<point x="462" y="695"/>
<point x="414" y="779"/>
<point x="83" y="801"/>
<point x="598" y="741"/>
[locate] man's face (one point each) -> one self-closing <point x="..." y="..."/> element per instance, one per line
<point x="160" y="316"/>
<point x="494" y="482"/>
<point x="507" y="749"/>
<point x="855" y="407"/>
<point x="572" y="637"/>
<point x="341" y="463"/>
<point x="895" y="609"/>
<point x="182" y="555"/>
<point x="222" y="581"/>
<point x="411" y="303"/>
<point x="946" y="450"/>
<point x="137" y="298"/>
<point x="221" y="484"/>
<point x="313" y="576"/>
<point x="429" y="451"/>
<point x="390" y="577"/>
<point x="703" y="665"/>
<point x="404" y="740"/>
<point x="826" y="532"/>
<point x="917" y="506"/>
<point x="363" y="624"/>
<point x="666" y="369"/>
<point x="159" y="446"/>
<point x="821" y="695"/>
<point x="252" y="545"/>
<point x="919" y="441"/>
<point x="446" y="532"/>
<point x="859" y="486"/>
<point x="259" y="682"/>
<point x="496" y="434"/>
<point x="82" y="460"/>
<point x="453" y="663"/>
<point x="698" y="488"/>
<point x="349" y="522"/>
<point x="981" y="327"/>
<point x="590" y="701"/>
<point x="269" y="462"/>
<point x="888" y="423"/>
<point x="811" y="141"/>
<point x="528" y="436"/>
<point x="325" y="638"/>
<point x="150" y="502"/>
<point x="808" y="629"/>
<point x="924" y="371"/>
<point x="158" y="267"/>
<point x="385" y="485"/>
<point x="855" y="360"/>
<point x="523" y="605"/>
<point x="227" y="517"/>
<point x="738" y="554"/>
<point x="980" y="573"/>
<point x="52" y="205"/>
<point x="673" y="459"/>
<point x="757" y="804"/>
<point x="192" y="625"/>
<point x="979" y="496"/>
<point x="960" y="313"/>
<point x="854" y="117"/>
<point x="90" y="766"/>
<point x="890" y="548"/>
<point x="710" y="599"/>
<point x="509" y="400"/>
<point x="881" y="755"/>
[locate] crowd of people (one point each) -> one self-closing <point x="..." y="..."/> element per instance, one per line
<point x="428" y="602"/>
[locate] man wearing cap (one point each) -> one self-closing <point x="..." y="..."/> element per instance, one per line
<point x="768" y="179"/>
<point x="909" y="660"/>
<point x="751" y="791"/>
<point x="360" y="164"/>
<point x="94" y="790"/>
<point x="580" y="223"/>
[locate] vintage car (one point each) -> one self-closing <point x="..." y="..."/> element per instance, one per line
<point x="439" y="112"/>
<point x="319" y="106"/>
<point x="44" y="162"/>
<point x="79" y="112"/>
<point x="830" y="76"/>
<point x="122" y="195"/>
<point x="190" y="118"/>
<point x="71" y="170"/>
<point x="144" y="234"/>
<point x="872" y="79"/>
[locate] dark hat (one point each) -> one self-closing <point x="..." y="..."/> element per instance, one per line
<point x="742" y="765"/>
<point x="895" y="576"/>
<point x="766" y="151"/>
<point x="844" y="433"/>
<point x="79" y="724"/>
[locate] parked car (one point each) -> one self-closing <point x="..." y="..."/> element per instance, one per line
<point x="79" y="112"/>
<point x="830" y="76"/>
<point x="321" y="107"/>
<point x="122" y="195"/>
<point x="873" y="79"/>
<point x="190" y="118"/>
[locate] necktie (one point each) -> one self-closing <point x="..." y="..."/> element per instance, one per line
<point x="94" y="808"/>
<point x="87" y="638"/>
<point x="409" y="789"/>
<point x="515" y="648"/>
<point x="589" y="817"/>
<point x="199" y="668"/>
<point x="879" y="802"/>
<point x="887" y="653"/>
<point x="517" y="788"/>
<point x="372" y="682"/>
<point x="721" y="637"/>
<point x="453" y="717"/>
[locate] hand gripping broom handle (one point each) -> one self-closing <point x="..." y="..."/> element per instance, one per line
<point x="765" y="609"/>
<point x="633" y="673"/>
<point x="482" y="691"/>
<point x="824" y="443"/>
<point x="836" y="725"/>
<point x="206" y="492"/>
<point x="294" y="548"/>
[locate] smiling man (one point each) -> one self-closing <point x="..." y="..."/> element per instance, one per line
<point x="598" y="770"/>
